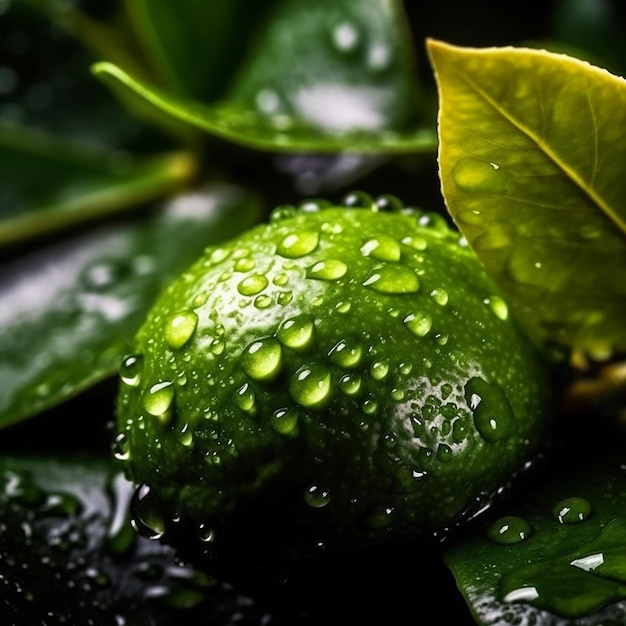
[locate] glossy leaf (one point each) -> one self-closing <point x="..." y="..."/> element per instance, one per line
<point x="51" y="183"/>
<point x="193" y="45"/>
<point x="360" y="67"/>
<point x="252" y="129"/>
<point x="69" y="554"/>
<point x="68" y="312"/>
<point x="531" y="163"/>
<point x="555" y="556"/>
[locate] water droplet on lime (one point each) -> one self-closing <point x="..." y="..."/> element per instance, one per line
<point x="158" y="399"/>
<point x="297" y="332"/>
<point x="262" y="359"/>
<point x="311" y="386"/>
<point x="382" y="248"/>
<point x="346" y="353"/>
<point x="492" y="413"/>
<point x="418" y="323"/>
<point x="179" y="328"/>
<point x="146" y="513"/>
<point x="252" y="285"/>
<point x="330" y="269"/>
<point x="131" y="369"/>
<point x="298" y="244"/>
<point x="392" y="279"/>
<point x="284" y="421"/>
<point x="316" y="496"/>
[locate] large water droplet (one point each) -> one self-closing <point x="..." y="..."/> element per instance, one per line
<point x="298" y="244"/>
<point x="316" y="496"/>
<point x="440" y="296"/>
<point x="419" y="323"/>
<point x="262" y="359"/>
<point x="146" y="513"/>
<point x="572" y="510"/>
<point x="350" y="384"/>
<point x="509" y="530"/>
<point x="379" y="370"/>
<point x="245" y="398"/>
<point x="158" y="399"/>
<point x="284" y="421"/>
<point x="498" y="306"/>
<point x="392" y="279"/>
<point x="382" y="248"/>
<point x="330" y="269"/>
<point x="252" y="285"/>
<point x="179" y="328"/>
<point x="492" y="413"/>
<point x="121" y="447"/>
<point x="478" y="176"/>
<point x="346" y="353"/>
<point x="310" y="386"/>
<point x="297" y="332"/>
<point x="131" y="369"/>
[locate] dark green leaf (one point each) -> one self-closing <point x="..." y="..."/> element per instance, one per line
<point x="69" y="312"/>
<point x="194" y="45"/>
<point x="69" y="555"/>
<point x="336" y="65"/>
<point x="531" y="162"/>
<point x="555" y="556"/>
<point x="52" y="183"/>
<point x="254" y="129"/>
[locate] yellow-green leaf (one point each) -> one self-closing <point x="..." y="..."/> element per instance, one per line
<point x="532" y="148"/>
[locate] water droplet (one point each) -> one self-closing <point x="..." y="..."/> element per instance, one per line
<point x="444" y="453"/>
<point x="246" y="264"/>
<point x="310" y="386"/>
<point x="316" y="496"/>
<point x="131" y="369"/>
<point x="498" y="306"/>
<point x="179" y="328"/>
<point x="350" y="384"/>
<point x="281" y="212"/>
<point x="358" y="200"/>
<point x="158" y="399"/>
<point x="477" y="176"/>
<point x="509" y="530"/>
<point x="397" y="394"/>
<point x="417" y="243"/>
<point x="297" y="332"/>
<point x="440" y="296"/>
<point x="206" y="533"/>
<point x="330" y="269"/>
<point x="185" y="435"/>
<point x="389" y="203"/>
<point x="262" y="359"/>
<point x="121" y="447"/>
<point x="298" y="244"/>
<point x="284" y="298"/>
<point x="492" y="413"/>
<point x="392" y="279"/>
<point x="146" y="513"/>
<point x="572" y="511"/>
<point x="252" y="285"/>
<point x="346" y="353"/>
<point x="382" y="248"/>
<point x="343" y="306"/>
<point x="369" y="407"/>
<point x="345" y="37"/>
<point x="284" y="421"/>
<point x="217" y="255"/>
<point x="263" y="302"/>
<point x="418" y="323"/>
<point x="379" y="370"/>
<point x="245" y="398"/>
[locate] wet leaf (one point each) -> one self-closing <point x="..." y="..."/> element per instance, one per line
<point x="555" y="556"/>
<point x="51" y="183"/>
<point x="69" y="555"/>
<point x="69" y="311"/>
<point x="194" y="46"/>
<point x="531" y="153"/>
<point x="252" y="129"/>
